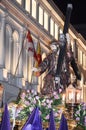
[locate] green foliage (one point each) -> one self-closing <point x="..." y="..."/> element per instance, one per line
<point x="31" y="99"/>
<point x="80" y="115"/>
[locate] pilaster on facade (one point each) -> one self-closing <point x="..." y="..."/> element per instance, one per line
<point x="2" y="34"/>
<point x="19" y="68"/>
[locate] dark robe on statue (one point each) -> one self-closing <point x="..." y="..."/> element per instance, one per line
<point x="50" y="64"/>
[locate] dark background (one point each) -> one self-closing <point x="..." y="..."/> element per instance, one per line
<point x="78" y="15"/>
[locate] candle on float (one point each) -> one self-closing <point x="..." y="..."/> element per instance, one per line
<point x="78" y="97"/>
<point x="13" y="116"/>
<point x="63" y="98"/>
<point x="72" y="97"/>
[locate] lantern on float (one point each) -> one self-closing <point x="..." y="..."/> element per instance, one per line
<point x="73" y="95"/>
<point x="73" y="98"/>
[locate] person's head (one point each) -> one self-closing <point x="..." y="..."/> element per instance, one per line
<point x="54" y="45"/>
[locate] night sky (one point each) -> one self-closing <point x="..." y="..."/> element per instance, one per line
<point x="78" y="15"/>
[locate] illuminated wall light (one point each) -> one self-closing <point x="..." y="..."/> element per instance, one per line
<point x="5" y="73"/>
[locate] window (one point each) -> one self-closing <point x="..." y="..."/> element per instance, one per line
<point x="72" y="45"/>
<point x="34" y="8"/>
<point x="45" y="20"/>
<point x="56" y="31"/>
<point x="19" y="1"/>
<point x="27" y="5"/>
<point x="84" y="60"/>
<point x="52" y="27"/>
<point x="15" y="52"/>
<point x="60" y="31"/>
<point x="8" y="48"/>
<point x="79" y="56"/>
<point x="40" y="15"/>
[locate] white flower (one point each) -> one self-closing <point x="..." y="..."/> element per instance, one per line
<point x="49" y="106"/>
<point x="60" y="90"/>
<point x="44" y="104"/>
<point x="31" y="108"/>
<point x="55" y="114"/>
<point x="37" y="97"/>
<point x="28" y="91"/>
<point x="77" y="119"/>
<point x="32" y="91"/>
<point x="54" y="93"/>
<point x="47" y="117"/>
<point x="35" y="93"/>
<point x="27" y="103"/>
<point x="30" y="98"/>
<point x="47" y="101"/>
<point x="23" y="95"/>
<point x="56" y="97"/>
<point x="51" y="101"/>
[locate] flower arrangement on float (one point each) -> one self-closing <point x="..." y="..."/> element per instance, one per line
<point x="80" y="115"/>
<point x="30" y="99"/>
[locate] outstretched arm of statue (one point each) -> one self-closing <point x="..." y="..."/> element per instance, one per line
<point x="43" y="66"/>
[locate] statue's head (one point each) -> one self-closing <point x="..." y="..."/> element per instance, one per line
<point x="62" y="37"/>
<point x="54" y="45"/>
<point x="61" y="41"/>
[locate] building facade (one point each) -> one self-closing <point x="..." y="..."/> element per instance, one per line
<point x="45" y="22"/>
